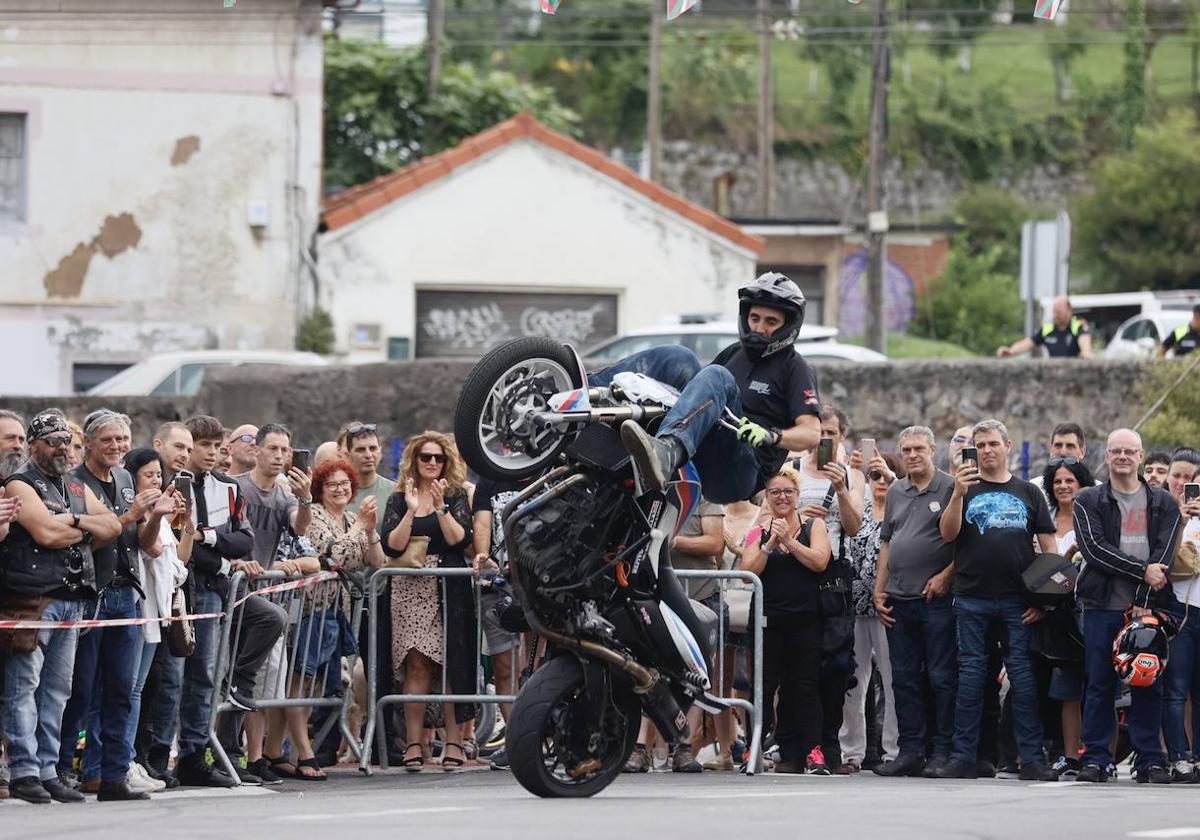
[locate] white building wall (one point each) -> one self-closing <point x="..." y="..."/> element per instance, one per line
<point x="151" y="128"/>
<point x="525" y="217"/>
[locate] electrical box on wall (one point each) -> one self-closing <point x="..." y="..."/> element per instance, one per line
<point x="258" y="214"/>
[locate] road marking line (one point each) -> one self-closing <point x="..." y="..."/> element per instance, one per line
<point x="1054" y="785"/>
<point x="752" y="795"/>
<point x="1184" y="831"/>
<point x="393" y="812"/>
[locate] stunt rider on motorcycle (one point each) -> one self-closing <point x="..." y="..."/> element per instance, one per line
<point x="761" y="379"/>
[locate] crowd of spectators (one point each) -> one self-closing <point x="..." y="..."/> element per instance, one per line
<point x="900" y="637"/>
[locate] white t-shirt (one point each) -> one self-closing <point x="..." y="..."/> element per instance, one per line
<point x="160" y="576"/>
<point x="1187" y="591"/>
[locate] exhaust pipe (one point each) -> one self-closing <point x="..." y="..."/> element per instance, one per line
<point x="657" y="701"/>
<point x="643" y="678"/>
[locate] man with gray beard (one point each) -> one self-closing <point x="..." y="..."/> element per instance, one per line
<point x="12" y="442"/>
<point x="46" y="571"/>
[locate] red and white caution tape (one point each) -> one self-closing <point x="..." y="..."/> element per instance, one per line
<point x="302" y="583"/>
<point x="319" y="577"/>
<point x="99" y="622"/>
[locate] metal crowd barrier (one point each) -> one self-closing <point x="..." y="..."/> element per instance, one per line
<point x="302" y="638"/>
<point x="375" y="705"/>
<point x="753" y="707"/>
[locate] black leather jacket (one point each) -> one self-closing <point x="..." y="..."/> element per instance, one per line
<point x="1098" y="535"/>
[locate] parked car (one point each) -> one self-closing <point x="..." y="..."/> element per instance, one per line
<point x="1140" y="336"/>
<point x="706" y="340"/>
<point x="181" y="373"/>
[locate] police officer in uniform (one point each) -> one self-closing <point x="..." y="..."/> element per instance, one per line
<point x="1184" y="339"/>
<point x="106" y="658"/>
<point x="46" y="571"/>
<point x="1063" y="336"/>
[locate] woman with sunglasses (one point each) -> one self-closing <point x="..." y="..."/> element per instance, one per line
<point x="1057" y="639"/>
<point x="789" y="552"/>
<point x="431" y="501"/>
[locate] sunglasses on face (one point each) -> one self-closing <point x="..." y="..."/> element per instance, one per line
<point x="244" y="439"/>
<point x="58" y="440"/>
<point x="431" y="458"/>
<point x="1062" y="461"/>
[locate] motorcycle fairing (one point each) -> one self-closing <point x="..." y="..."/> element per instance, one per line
<point x="685" y="643"/>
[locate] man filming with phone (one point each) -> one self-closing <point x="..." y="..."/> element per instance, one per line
<point x="992" y="519"/>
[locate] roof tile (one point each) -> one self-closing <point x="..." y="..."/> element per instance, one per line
<point x="355" y="202"/>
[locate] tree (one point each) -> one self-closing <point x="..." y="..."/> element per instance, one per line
<point x="991" y="220"/>
<point x="841" y="43"/>
<point x="315" y="333"/>
<point x="972" y="303"/>
<point x="1140" y="226"/>
<point x="1133" y="89"/>
<point x="379" y="115"/>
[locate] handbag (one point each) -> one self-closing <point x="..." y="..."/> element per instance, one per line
<point x="21" y="608"/>
<point x="181" y="635"/>
<point x="413" y="556"/>
<point x="1187" y="561"/>
<point x="1049" y="579"/>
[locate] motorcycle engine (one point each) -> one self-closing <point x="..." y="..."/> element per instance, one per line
<point x="559" y="549"/>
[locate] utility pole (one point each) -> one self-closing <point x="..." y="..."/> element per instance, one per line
<point x="766" y="116"/>
<point x="434" y="21"/>
<point x="654" y="93"/>
<point x="877" y="222"/>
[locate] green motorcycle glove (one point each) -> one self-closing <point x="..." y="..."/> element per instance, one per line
<point x="756" y="435"/>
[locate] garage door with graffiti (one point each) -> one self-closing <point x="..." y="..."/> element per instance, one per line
<point x="467" y="324"/>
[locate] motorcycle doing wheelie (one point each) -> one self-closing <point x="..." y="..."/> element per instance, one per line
<point x="588" y="558"/>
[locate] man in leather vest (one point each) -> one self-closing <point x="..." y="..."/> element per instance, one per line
<point x="102" y="706"/>
<point x="46" y="567"/>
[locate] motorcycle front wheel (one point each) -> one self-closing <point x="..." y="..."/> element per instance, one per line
<point x="545" y="721"/>
<point x="495" y="426"/>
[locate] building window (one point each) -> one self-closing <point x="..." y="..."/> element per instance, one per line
<point x="12" y="167"/>
<point x="366" y="335"/>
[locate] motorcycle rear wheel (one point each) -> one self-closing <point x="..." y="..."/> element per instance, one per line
<point x="548" y="705"/>
<point x="497" y="399"/>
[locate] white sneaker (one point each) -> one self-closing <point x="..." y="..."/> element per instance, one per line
<point x="138" y="779"/>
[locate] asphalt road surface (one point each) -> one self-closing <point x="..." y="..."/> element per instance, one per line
<point x="485" y="803"/>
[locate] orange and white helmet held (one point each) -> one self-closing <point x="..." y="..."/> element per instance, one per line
<point x="1140" y="649"/>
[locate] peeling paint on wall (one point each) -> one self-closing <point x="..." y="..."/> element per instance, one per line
<point x="117" y="234"/>
<point x="185" y="147"/>
<point x="66" y="280"/>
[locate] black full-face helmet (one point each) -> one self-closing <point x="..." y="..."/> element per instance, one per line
<point x="778" y="292"/>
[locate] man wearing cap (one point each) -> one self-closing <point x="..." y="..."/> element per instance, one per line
<point x="46" y="570"/>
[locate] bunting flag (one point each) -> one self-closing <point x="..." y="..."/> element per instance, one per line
<point x="550" y="7"/>
<point x="230" y="3"/>
<point x="1046" y="9"/>
<point x="677" y="7"/>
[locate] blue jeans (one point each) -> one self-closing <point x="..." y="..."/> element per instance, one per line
<point x="105" y="665"/>
<point x="728" y="468"/>
<point x="139" y="683"/>
<point x="162" y="715"/>
<point x="195" y="704"/>
<point x="36" y="688"/>
<point x="1181" y="679"/>
<point x="972" y="615"/>
<point x="1100" y="697"/>
<point x="922" y="639"/>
